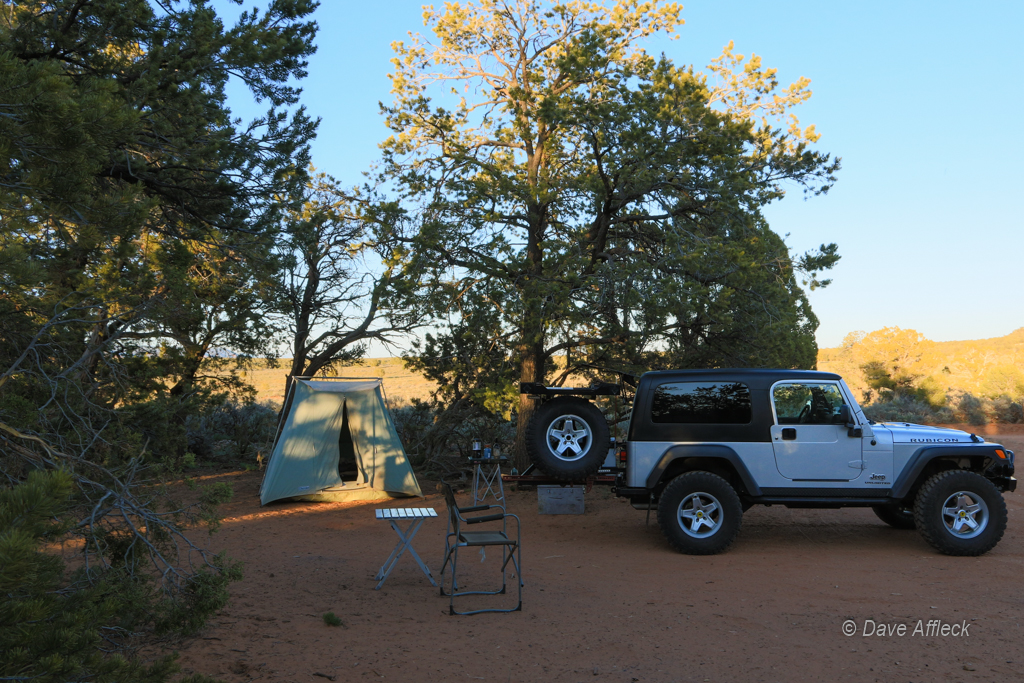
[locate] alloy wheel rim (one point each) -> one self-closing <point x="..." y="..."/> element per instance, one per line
<point x="569" y="437"/>
<point x="965" y="514"/>
<point x="700" y="515"/>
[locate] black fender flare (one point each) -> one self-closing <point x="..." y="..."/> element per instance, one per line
<point x="713" y="451"/>
<point x="924" y="455"/>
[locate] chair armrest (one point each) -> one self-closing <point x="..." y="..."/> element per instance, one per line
<point x="485" y="518"/>
<point x="475" y="508"/>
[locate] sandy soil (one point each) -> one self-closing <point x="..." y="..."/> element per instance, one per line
<point x="606" y="599"/>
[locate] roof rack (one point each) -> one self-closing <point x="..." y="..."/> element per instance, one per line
<point x="596" y="389"/>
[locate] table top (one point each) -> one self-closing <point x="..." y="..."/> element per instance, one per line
<point x="405" y="513"/>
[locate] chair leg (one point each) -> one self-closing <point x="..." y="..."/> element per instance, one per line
<point x="444" y="564"/>
<point x="441" y="578"/>
<point x="447" y="543"/>
<point x="451" y="595"/>
<point x="519" y="553"/>
<point x="517" y="561"/>
<point x="509" y="555"/>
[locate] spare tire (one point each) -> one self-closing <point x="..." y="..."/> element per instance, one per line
<point x="567" y="437"/>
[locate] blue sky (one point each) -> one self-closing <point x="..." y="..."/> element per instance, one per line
<point x="922" y="100"/>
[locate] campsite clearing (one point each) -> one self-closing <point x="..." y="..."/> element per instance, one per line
<point x="607" y="599"/>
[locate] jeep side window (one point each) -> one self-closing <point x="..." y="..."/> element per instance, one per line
<point x="701" y="403"/>
<point x="815" y="404"/>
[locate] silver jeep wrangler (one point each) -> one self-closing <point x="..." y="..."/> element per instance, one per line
<point x="703" y="446"/>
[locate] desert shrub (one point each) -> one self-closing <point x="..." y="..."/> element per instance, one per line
<point x="970" y="409"/>
<point x="977" y="410"/>
<point x="232" y="431"/>
<point x="155" y="425"/>
<point x="439" y="440"/>
<point x="1006" y="410"/>
<point x="213" y="425"/>
<point x="961" y="407"/>
<point x="907" y="409"/>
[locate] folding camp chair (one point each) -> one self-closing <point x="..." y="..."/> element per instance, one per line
<point x="457" y="538"/>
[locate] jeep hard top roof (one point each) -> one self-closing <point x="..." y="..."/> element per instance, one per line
<point x="770" y="374"/>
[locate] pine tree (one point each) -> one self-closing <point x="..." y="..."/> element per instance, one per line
<point x="608" y="204"/>
<point x="56" y="626"/>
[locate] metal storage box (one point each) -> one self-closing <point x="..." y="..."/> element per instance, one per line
<point x="560" y="500"/>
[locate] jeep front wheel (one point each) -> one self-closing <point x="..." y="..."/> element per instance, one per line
<point x="960" y="513"/>
<point x="700" y="513"/>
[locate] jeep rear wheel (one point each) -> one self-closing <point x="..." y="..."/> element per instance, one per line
<point x="568" y="438"/>
<point x="700" y="513"/>
<point x="960" y="513"/>
<point x="896" y="516"/>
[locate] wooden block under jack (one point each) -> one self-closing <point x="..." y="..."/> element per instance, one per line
<point x="560" y="500"/>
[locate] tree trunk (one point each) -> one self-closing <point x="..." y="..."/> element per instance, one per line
<point x="532" y="370"/>
<point x="194" y="355"/>
<point x="531" y="351"/>
<point x="532" y="342"/>
<point x="297" y="369"/>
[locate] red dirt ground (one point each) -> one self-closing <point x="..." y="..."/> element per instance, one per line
<point x="606" y="599"/>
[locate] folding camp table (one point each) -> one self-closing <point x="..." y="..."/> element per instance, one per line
<point x="487" y="480"/>
<point x="415" y="516"/>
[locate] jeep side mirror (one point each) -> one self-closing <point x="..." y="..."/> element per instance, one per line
<point x="846" y="417"/>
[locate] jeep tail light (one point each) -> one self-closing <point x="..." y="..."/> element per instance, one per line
<point x="622" y="457"/>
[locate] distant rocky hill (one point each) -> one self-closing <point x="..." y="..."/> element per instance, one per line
<point x="979" y="380"/>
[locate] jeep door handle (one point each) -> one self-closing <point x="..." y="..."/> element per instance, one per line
<point x="788" y="434"/>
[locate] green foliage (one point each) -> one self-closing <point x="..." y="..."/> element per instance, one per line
<point x="205" y="593"/>
<point x="605" y="205"/>
<point x="137" y="216"/>
<point x="59" y="627"/>
<point x="1003" y="379"/>
<point x="473" y="360"/>
<point x="438" y="437"/>
<point x="891" y="360"/>
<point x="137" y="224"/>
<point x="331" y="619"/>
<point x="231" y="432"/>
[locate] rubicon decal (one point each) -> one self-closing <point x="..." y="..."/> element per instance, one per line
<point x="945" y="440"/>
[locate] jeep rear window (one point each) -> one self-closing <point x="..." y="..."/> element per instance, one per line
<point x="701" y="403"/>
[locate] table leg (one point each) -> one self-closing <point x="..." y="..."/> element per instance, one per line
<point x="404" y="543"/>
<point x="381" y="575"/>
<point x="423" y="566"/>
<point x="493" y="484"/>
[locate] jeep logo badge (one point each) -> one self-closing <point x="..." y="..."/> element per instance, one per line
<point x="877" y="477"/>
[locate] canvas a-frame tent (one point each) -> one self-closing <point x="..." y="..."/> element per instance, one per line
<point x="309" y="445"/>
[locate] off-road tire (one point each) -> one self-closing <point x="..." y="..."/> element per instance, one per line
<point x="896" y="516"/>
<point x="704" y="488"/>
<point x="938" y="491"/>
<point x="552" y="427"/>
